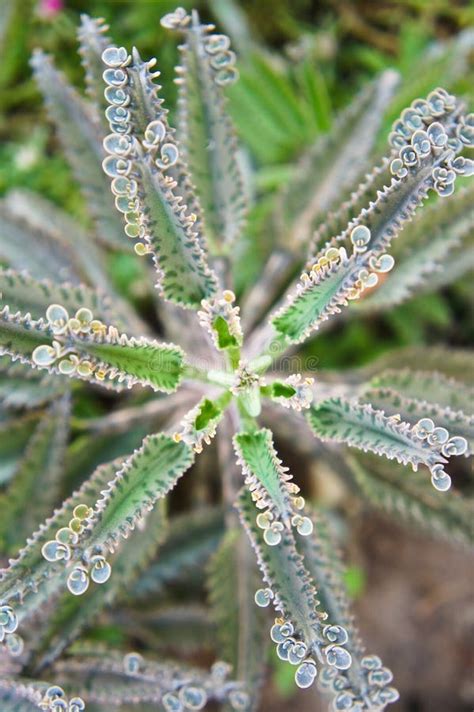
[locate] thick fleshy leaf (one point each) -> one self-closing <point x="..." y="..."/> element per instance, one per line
<point x="23" y="293"/>
<point x="452" y="363"/>
<point x="37" y="236"/>
<point x="429" y="386"/>
<point x="105" y="677"/>
<point x="265" y="476"/>
<point x="29" y="572"/>
<point x="206" y="132"/>
<point x="93" y="40"/>
<point x="363" y="427"/>
<point x="36" y="478"/>
<point x="22" y="387"/>
<point x="192" y="539"/>
<point x="73" y="613"/>
<point x="300" y="631"/>
<point x="143" y="144"/>
<point x="14" y="436"/>
<point x="241" y="626"/>
<point x="145" y="477"/>
<point x="80" y="136"/>
<point x="418" y="394"/>
<point x="333" y="164"/>
<point x="431" y="252"/>
<point x="424" y="157"/>
<point x="366" y="688"/>
<point x="102" y="356"/>
<point x="386" y="487"/>
<point x="39" y="249"/>
<point x="20" y="696"/>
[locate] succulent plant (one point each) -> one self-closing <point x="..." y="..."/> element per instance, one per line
<point x="67" y="330"/>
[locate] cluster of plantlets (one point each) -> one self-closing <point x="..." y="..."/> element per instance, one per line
<point x="181" y="196"/>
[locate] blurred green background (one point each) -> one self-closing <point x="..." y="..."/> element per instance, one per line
<point x="300" y="61"/>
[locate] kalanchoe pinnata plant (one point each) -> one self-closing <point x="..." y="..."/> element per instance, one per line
<point x="180" y="197"/>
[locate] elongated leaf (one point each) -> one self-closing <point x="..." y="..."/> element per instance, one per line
<point x="17" y="696"/>
<point x="241" y="626"/>
<point x="93" y="40"/>
<point x="428" y="386"/>
<point x="386" y="487"/>
<point x="333" y="164"/>
<point x="336" y="278"/>
<point x="30" y="571"/>
<point x="322" y="178"/>
<point x="293" y="594"/>
<point x="337" y="220"/>
<point x="36" y="478"/>
<point x="367" y="429"/>
<point x="452" y="363"/>
<point x="207" y="135"/>
<point x="106" y="677"/>
<point x="265" y="475"/>
<point x="105" y="356"/>
<point x="412" y="410"/>
<point x="14" y="435"/>
<point x="428" y="252"/>
<point x="23" y="293"/>
<point x="40" y="251"/>
<point x="148" y="475"/>
<point x="192" y="539"/>
<point x="368" y="689"/>
<point x="73" y="613"/>
<point x="153" y="211"/>
<point x="81" y="140"/>
<point x="45" y="241"/>
<point x="21" y="387"/>
<point x="418" y="394"/>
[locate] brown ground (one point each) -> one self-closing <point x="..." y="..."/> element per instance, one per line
<point x="417" y="613"/>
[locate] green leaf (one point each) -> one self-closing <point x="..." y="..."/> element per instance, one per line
<point x="93" y="40"/>
<point x="37" y="236"/>
<point x="453" y="363"/>
<point x="333" y="280"/>
<point x="314" y="304"/>
<point x="21" y="387"/>
<point x="419" y="394"/>
<point x="29" y="572"/>
<point x="23" y="293"/>
<point x="428" y="251"/>
<point x="14" y="436"/>
<point x="20" y="695"/>
<point x="192" y="538"/>
<point x="333" y="164"/>
<point x="39" y="248"/>
<point x="102" y="676"/>
<point x="36" y="478"/>
<point x="293" y="592"/>
<point x="241" y="626"/>
<point x="81" y="140"/>
<point x="412" y="410"/>
<point x="207" y="136"/>
<point x="363" y="427"/>
<point x="145" y="477"/>
<point x="387" y="488"/>
<point x="105" y="356"/>
<point x="73" y="613"/>
<point x="264" y="474"/>
<point x="324" y="564"/>
<point x="428" y="386"/>
<point x="172" y="232"/>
